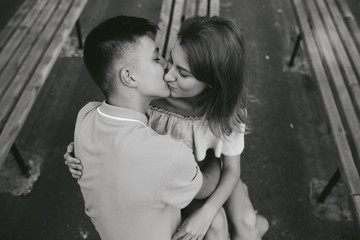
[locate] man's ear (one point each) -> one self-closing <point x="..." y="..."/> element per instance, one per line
<point x="126" y="78"/>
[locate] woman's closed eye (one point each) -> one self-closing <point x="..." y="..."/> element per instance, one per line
<point x="179" y="70"/>
<point x="182" y="74"/>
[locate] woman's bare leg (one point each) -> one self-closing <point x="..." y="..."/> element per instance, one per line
<point x="218" y="230"/>
<point x="244" y="222"/>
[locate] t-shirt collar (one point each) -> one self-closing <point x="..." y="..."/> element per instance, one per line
<point x="119" y="113"/>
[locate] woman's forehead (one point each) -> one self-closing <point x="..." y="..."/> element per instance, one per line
<point x="179" y="55"/>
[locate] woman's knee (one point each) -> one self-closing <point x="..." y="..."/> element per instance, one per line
<point x="263" y="225"/>
<point x="255" y="222"/>
<point x="249" y="219"/>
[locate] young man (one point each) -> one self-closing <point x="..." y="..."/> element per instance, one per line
<point x="134" y="181"/>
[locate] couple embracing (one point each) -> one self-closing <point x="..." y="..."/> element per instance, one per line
<point x="160" y="157"/>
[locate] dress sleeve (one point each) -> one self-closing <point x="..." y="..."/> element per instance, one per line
<point x="234" y="144"/>
<point x="183" y="181"/>
<point x="205" y="139"/>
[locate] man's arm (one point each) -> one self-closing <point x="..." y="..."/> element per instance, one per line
<point x="184" y="179"/>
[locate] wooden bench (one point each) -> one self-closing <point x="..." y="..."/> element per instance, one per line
<point x="332" y="40"/>
<point x="29" y="46"/>
<point x="173" y="12"/>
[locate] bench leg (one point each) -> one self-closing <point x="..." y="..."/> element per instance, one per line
<point x="20" y="161"/>
<point x="329" y="186"/>
<point x="78" y="32"/>
<point x="296" y="47"/>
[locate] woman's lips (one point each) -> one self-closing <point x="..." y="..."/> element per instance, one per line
<point x="171" y="87"/>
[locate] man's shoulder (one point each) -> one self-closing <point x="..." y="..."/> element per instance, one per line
<point x="163" y="145"/>
<point x="166" y="152"/>
<point x="166" y="141"/>
<point x="89" y="107"/>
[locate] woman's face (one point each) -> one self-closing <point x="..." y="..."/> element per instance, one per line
<point x="180" y="80"/>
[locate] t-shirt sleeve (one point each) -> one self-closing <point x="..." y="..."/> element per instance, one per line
<point x="83" y="112"/>
<point x="183" y="181"/>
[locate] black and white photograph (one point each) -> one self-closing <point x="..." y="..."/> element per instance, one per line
<point x="179" y="119"/>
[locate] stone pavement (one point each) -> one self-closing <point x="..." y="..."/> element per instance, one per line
<point x="288" y="149"/>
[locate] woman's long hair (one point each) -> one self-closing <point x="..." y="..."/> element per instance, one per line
<point x="216" y="53"/>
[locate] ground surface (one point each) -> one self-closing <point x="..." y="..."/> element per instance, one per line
<point x="288" y="148"/>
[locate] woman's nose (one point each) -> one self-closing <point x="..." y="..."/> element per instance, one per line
<point x="169" y="72"/>
<point x="169" y="76"/>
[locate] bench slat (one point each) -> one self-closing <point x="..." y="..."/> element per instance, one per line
<point x="190" y="8"/>
<point x="171" y="16"/>
<point x="175" y="25"/>
<point x="14" y="22"/>
<point x="203" y="8"/>
<point x="23" y="49"/>
<point x="25" y="71"/>
<point x="25" y="103"/>
<point x="350" y="46"/>
<point x="347" y="166"/>
<point x="214" y="8"/>
<point x="349" y="17"/>
<point x="20" y="33"/>
<point x="163" y="26"/>
<point x="338" y="80"/>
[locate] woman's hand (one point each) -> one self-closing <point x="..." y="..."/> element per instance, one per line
<point x="73" y="163"/>
<point x="196" y="225"/>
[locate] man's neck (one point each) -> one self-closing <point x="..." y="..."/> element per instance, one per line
<point x="139" y="105"/>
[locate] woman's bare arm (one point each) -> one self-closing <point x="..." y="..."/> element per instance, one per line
<point x="73" y="163"/>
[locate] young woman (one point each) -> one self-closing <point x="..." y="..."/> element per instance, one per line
<point x="206" y="75"/>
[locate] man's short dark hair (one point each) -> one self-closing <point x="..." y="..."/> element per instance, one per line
<point x="109" y="41"/>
